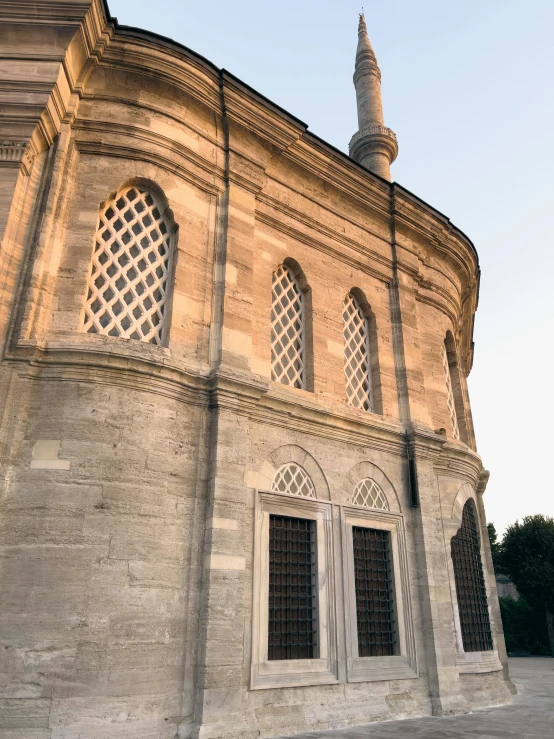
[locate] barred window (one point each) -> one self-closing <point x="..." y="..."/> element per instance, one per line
<point x="368" y="493"/>
<point x="127" y="291"/>
<point x="450" y="394"/>
<point x="292" y="627"/>
<point x="373" y="584"/>
<point x="288" y="364"/>
<point x="357" y="368"/>
<point x="470" y="584"/>
<point x="293" y="479"/>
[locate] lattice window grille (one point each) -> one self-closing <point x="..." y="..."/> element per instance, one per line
<point x="127" y="290"/>
<point x="369" y="494"/>
<point x="357" y="368"/>
<point x="470" y="584"/>
<point x="287" y="330"/>
<point x="293" y="479"/>
<point x="450" y="394"/>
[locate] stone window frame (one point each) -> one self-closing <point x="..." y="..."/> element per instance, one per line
<point x="400" y="666"/>
<point x="166" y="215"/>
<point x="469" y="662"/>
<point x="323" y="670"/>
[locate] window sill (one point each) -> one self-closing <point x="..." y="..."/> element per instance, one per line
<point x="293" y="673"/>
<point x="373" y="669"/>
<point x="476" y="662"/>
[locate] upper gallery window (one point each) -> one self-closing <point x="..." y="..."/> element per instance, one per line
<point x="357" y="367"/>
<point x="127" y="292"/>
<point x="470" y="584"/>
<point x="368" y="493"/>
<point x="288" y="353"/>
<point x="450" y="394"/>
<point x="293" y="479"/>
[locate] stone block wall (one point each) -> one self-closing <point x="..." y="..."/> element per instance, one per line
<point x="132" y="473"/>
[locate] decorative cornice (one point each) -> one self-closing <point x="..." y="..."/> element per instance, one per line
<point x="18" y="154"/>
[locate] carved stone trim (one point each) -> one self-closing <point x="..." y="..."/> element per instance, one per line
<point x="17" y="153"/>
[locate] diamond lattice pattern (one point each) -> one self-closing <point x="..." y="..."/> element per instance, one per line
<point x="368" y="493"/>
<point x="450" y="394"/>
<point x="127" y="287"/>
<point x="356" y="355"/>
<point x="293" y="479"/>
<point x="287" y="330"/>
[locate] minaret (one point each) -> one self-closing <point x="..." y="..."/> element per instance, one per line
<point x="374" y="145"/>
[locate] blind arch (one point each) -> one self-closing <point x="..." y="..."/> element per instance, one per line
<point x="129" y="276"/>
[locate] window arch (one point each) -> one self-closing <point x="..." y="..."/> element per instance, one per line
<point x="357" y="364"/>
<point x="129" y="276"/>
<point x="450" y="393"/>
<point x="293" y="479"/>
<point x="470" y="584"/>
<point x="369" y="494"/>
<point x="288" y="334"/>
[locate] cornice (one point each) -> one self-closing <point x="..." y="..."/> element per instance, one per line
<point x="363" y="265"/>
<point x="20" y="154"/>
<point x="98" y="137"/>
<point x="151" y="157"/>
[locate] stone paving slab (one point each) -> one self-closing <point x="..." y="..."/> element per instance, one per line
<point x="530" y="716"/>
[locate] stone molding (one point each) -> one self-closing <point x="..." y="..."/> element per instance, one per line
<point x="266" y="674"/>
<point x="403" y="666"/>
<point x="18" y="154"/>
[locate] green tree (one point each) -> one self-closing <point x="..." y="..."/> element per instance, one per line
<point x="496" y="548"/>
<point x="527" y="557"/>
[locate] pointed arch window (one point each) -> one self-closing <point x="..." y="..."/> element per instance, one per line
<point x="128" y="284"/>
<point x="288" y="351"/>
<point x="450" y="394"/>
<point x="369" y="494"/>
<point x="357" y="366"/>
<point x="470" y="584"/>
<point x="293" y="479"/>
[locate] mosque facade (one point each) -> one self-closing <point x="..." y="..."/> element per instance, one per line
<point x="241" y="495"/>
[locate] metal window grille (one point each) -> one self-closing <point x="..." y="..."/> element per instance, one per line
<point x="450" y="394"/>
<point x="368" y="493"/>
<point x="292" y="628"/>
<point x="127" y="288"/>
<point x="293" y="479"/>
<point x="470" y="584"/>
<point x="287" y="330"/>
<point x="357" y="369"/>
<point x="373" y="583"/>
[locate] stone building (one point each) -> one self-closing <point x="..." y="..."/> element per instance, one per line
<point x="241" y="494"/>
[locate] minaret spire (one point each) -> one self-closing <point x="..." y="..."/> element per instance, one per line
<point x="374" y="145"/>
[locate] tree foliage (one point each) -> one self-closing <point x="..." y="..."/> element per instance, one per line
<point x="525" y="629"/>
<point x="496" y="548"/>
<point x="527" y="557"/>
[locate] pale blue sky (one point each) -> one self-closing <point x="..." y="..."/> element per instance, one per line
<point x="468" y="87"/>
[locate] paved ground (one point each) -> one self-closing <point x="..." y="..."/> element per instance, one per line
<point x="530" y="716"/>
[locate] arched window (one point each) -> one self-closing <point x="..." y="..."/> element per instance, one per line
<point x="357" y="367"/>
<point x="470" y="584"/>
<point x="128" y="285"/>
<point x="288" y="362"/>
<point x="369" y="494"/>
<point x="450" y="394"/>
<point x="293" y="479"/>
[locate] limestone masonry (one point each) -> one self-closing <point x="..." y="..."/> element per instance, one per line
<point x="241" y="495"/>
